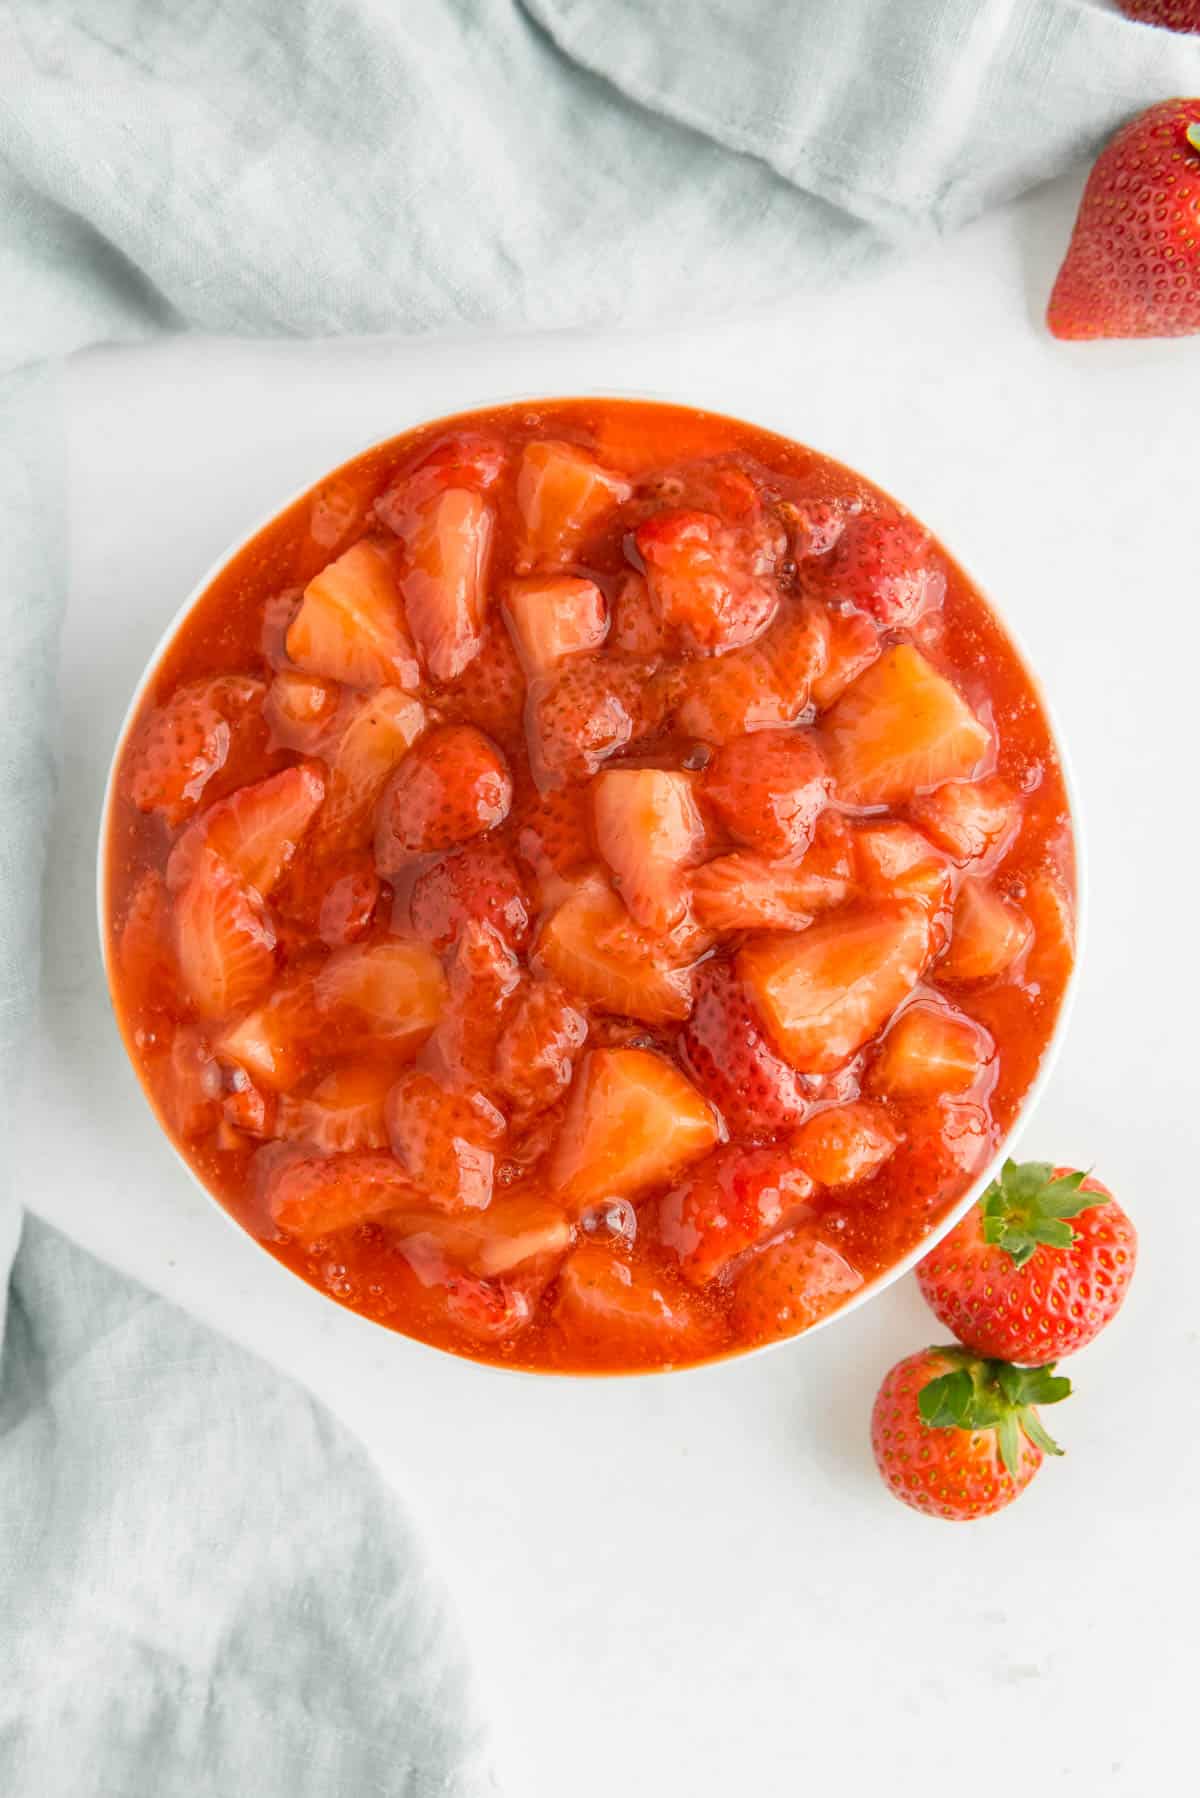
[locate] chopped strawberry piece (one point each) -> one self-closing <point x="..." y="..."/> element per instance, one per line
<point x="852" y="643"/>
<point x="538" y="1048"/>
<point x="388" y="995"/>
<point x="274" y="1042"/>
<point x="724" y="1050"/>
<point x="554" y="833"/>
<point x="649" y="830"/>
<point x="633" y="1122"/>
<point x="608" y="1304"/>
<point x="710" y="582"/>
<point x="636" y="629"/>
<point x="483" y="976"/>
<point x="223" y="939"/>
<point x="255" y="832"/>
<point x="594" y="947"/>
<point x="146" y="945"/>
<point x="479" y="882"/>
<point x="946" y="1142"/>
<point x="300" y="710"/>
<point x="491" y="692"/>
<point x="748" y="892"/>
<point x="344" y="1112"/>
<point x="989" y="933"/>
<point x="447" y="550"/>
<point x="968" y="819"/>
<point x="247" y="1107"/>
<point x="846" y="1143"/>
<point x="340" y="508"/>
<point x="888" y="568"/>
<point x="445" y="1138"/>
<point x="349" y="903"/>
<point x="379" y="730"/>
<point x="769" y="789"/>
<point x="814" y="526"/>
<point x="930" y="1050"/>
<point x="551" y="617"/>
<point x="825" y="991"/>
<point x="469" y="459"/>
<point x="452" y="786"/>
<point x="180" y="746"/>
<point x="188" y="1085"/>
<point x="350" y="624"/>
<point x="735" y="1199"/>
<point x="790" y="1286"/>
<point x="315" y="1195"/>
<point x="517" y="1232"/>
<point x="1048" y="907"/>
<point x="898" y="862"/>
<point x="900" y="728"/>
<point x="592" y="706"/>
<point x="563" y="494"/>
<point x="757" y="688"/>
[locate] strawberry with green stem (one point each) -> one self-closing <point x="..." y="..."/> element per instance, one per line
<point x="958" y="1436"/>
<point x="1037" y="1269"/>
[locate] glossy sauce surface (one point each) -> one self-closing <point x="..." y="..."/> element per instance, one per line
<point x="589" y="885"/>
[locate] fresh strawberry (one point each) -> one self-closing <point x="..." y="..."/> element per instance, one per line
<point x="179" y="747"/>
<point x="383" y="996"/>
<point x="1133" y="265"/>
<point x="344" y="1111"/>
<point x="590" y="708"/>
<point x="628" y="1309"/>
<point x="733" y="1200"/>
<point x="553" y="616"/>
<point x="146" y="946"/>
<point x="760" y="687"/>
<point x="901" y="727"/>
<point x="825" y="991"/>
<point x="563" y="494"/>
<point x="636" y="628"/>
<point x="350" y="624"/>
<point x="852" y="643"/>
<point x="748" y="892"/>
<point x="723" y="1048"/>
<point x="300" y="710"/>
<point x="445" y="1138"/>
<point x="769" y="789"/>
<point x="377" y="731"/>
<point x="537" y="1051"/>
<point x="846" y="1143"/>
<point x="1037" y="1269"/>
<point x="1172" y="15"/>
<point x="790" y="1285"/>
<point x="446" y="546"/>
<point x="594" y="947"/>
<point x="310" y="1196"/>
<point x="491" y="692"/>
<point x="1047" y="904"/>
<point x="930" y="1050"/>
<point x="633" y="1122"/>
<point x="480" y="881"/>
<point x="887" y="568"/>
<point x="969" y="819"/>
<point x="223" y="939"/>
<point x="988" y="934"/>
<point x="274" y="1042"/>
<point x="255" y="832"/>
<point x="483" y="976"/>
<point x="711" y="583"/>
<point x="453" y="785"/>
<point x="649" y="830"/>
<point x="959" y="1438"/>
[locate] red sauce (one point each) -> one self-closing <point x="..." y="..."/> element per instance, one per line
<point x="590" y="906"/>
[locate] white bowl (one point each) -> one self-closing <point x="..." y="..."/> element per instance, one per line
<point x="944" y="1225"/>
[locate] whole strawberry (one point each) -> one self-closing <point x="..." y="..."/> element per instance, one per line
<point x="1133" y="265"/>
<point x="1036" y="1269"/>
<point x="959" y="1437"/>
<point x="1172" y="15"/>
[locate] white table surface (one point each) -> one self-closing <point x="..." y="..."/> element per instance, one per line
<point x="697" y="1584"/>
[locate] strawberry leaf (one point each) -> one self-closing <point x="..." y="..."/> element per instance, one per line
<point x="993" y="1395"/>
<point x="1027" y="1207"/>
<point x="1009" y="1437"/>
<point x="945" y="1402"/>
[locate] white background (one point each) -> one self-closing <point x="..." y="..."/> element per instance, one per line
<point x="696" y="1584"/>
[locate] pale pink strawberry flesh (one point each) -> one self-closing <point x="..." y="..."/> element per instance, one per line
<point x="592" y="888"/>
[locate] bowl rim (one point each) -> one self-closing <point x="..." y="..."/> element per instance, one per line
<point x="765" y="420"/>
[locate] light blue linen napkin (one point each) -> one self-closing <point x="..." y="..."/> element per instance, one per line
<point x="287" y="166"/>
